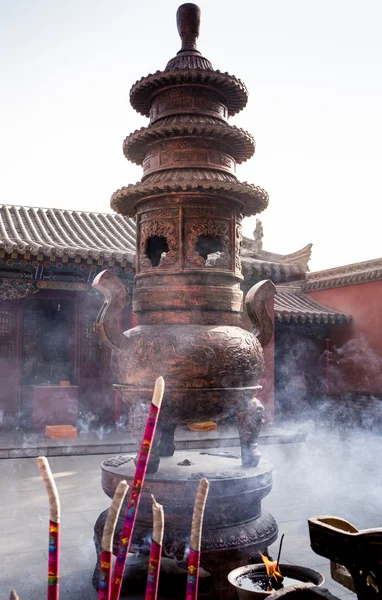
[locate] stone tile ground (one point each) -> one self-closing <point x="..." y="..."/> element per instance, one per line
<point x="327" y="474"/>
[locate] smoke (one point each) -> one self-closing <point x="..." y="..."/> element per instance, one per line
<point x="356" y="366"/>
<point x="333" y="398"/>
<point x="334" y="473"/>
<point x="315" y="388"/>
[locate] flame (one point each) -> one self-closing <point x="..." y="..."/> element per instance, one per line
<point x="271" y="567"/>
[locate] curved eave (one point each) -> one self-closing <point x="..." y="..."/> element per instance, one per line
<point x="300" y="309"/>
<point x="232" y="89"/>
<point x="241" y="143"/>
<point x="254" y="199"/>
<point x="355" y="273"/>
<point x="255" y="269"/>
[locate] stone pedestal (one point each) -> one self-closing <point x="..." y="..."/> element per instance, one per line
<point x="235" y="527"/>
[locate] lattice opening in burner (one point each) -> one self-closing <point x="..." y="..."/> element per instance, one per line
<point x="156" y="248"/>
<point x="208" y="244"/>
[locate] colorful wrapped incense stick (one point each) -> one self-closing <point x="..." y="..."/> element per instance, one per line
<point x="155" y="551"/>
<point x="135" y="494"/>
<point x="106" y="557"/>
<point x="54" y="529"/>
<point x="195" y="541"/>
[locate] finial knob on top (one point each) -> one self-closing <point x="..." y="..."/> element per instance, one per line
<point x="188" y="22"/>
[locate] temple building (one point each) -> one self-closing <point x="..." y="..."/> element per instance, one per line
<point x="48" y="313"/>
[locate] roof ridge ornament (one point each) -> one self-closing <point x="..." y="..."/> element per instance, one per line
<point x="188" y="23"/>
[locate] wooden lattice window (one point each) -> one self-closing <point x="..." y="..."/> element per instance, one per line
<point x="91" y="343"/>
<point x="47" y="351"/>
<point x="7" y="335"/>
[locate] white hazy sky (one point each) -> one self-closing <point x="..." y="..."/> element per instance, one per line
<point x="314" y="74"/>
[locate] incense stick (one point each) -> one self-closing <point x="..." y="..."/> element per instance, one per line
<point x="135" y="495"/>
<point x="54" y="529"/>
<point x="195" y="541"/>
<point x="155" y="551"/>
<point x="279" y="554"/>
<point x="106" y="556"/>
<point x="13" y="595"/>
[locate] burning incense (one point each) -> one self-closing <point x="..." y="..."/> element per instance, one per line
<point x="273" y="571"/>
<point x="155" y="551"/>
<point x="195" y="542"/>
<point x="135" y="495"/>
<point x="13" y="595"/>
<point x="279" y="554"/>
<point x="104" y="586"/>
<point x="54" y="529"/>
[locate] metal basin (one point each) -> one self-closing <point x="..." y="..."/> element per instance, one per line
<point x="301" y="574"/>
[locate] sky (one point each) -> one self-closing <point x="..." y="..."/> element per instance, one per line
<point x="313" y="71"/>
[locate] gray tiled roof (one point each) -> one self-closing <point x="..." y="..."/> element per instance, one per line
<point x="299" y="308"/>
<point x="66" y="232"/>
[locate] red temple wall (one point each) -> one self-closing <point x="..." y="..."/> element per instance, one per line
<point x="356" y="361"/>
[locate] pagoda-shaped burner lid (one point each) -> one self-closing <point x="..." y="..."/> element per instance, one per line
<point x="188" y="57"/>
<point x="189" y="67"/>
<point x="188" y="146"/>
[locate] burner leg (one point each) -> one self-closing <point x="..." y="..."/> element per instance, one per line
<point x="137" y="422"/>
<point x="166" y="444"/>
<point x="250" y="419"/>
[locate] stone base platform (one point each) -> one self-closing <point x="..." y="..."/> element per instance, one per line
<point x="235" y="527"/>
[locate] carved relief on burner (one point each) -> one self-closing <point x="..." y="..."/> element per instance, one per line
<point x="192" y="356"/>
<point x="208" y="104"/>
<point x="238" y="240"/>
<point x="228" y="162"/>
<point x="208" y="243"/>
<point x="158" y="244"/>
<point x="190" y="152"/>
<point x="178" y="99"/>
<point x="161" y="213"/>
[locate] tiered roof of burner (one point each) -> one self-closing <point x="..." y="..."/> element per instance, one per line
<point x="189" y="69"/>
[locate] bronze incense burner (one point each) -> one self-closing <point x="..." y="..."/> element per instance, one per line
<point x="188" y="304"/>
<point x="189" y="206"/>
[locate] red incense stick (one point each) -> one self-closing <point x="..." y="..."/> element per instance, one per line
<point x="106" y="556"/>
<point x="195" y="541"/>
<point x="54" y="529"/>
<point x="135" y="495"/>
<point x="155" y="551"/>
